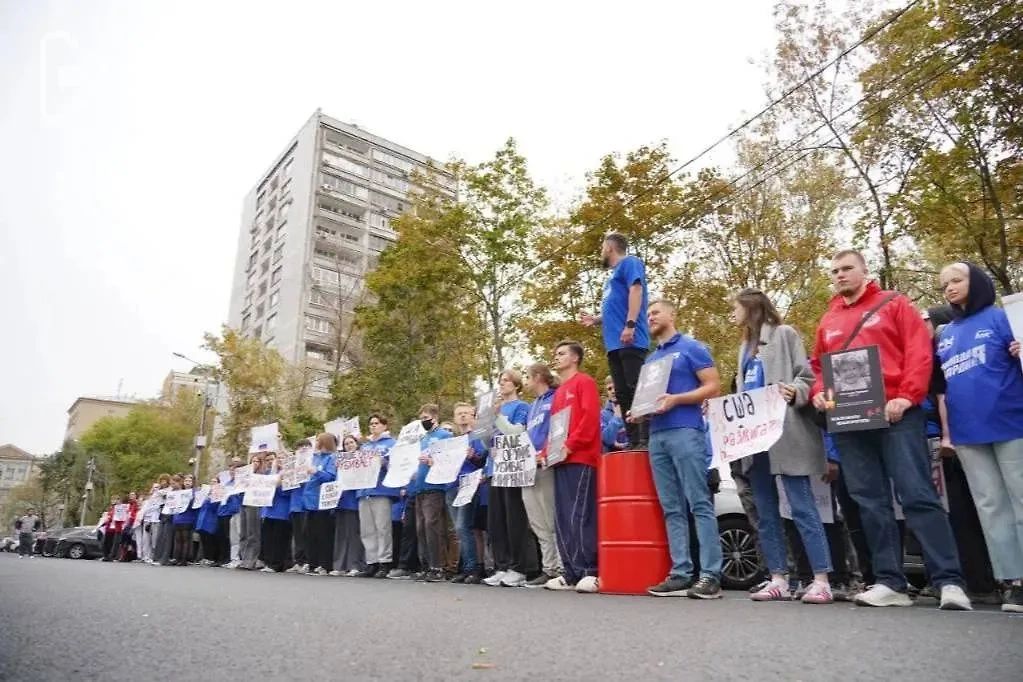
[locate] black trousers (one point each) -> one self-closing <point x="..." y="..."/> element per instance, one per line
<point x="210" y="546"/>
<point x="223" y="540"/>
<point x="299" y="528"/>
<point x="624" y="365"/>
<point x="511" y="539"/>
<point x="164" y="540"/>
<point x="277" y="544"/>
<point x="408" y="557"/>
<point x="111" y="545"/>
<point x="182" y="544"/>
<point x="320" y="539"/>
<point x="396" y="536"/>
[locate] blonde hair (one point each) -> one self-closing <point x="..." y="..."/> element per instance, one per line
<point x="962" y="268"/>
<point x="513" y="376"/>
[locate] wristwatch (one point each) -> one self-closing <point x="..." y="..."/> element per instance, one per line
<point x="630" y="324"/>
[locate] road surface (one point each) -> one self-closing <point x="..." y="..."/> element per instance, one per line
<point x="62" y="619"/>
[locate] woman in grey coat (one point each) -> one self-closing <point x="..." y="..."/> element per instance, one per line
<point x="773" y="353"/>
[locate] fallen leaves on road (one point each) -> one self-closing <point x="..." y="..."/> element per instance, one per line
<point x="482" y="666"/>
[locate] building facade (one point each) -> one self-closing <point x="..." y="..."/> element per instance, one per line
<point x="194" y="381"/>
<point x="16" y="467"/>
<point x="86" y="411"/>
<point x="312" y="227"/>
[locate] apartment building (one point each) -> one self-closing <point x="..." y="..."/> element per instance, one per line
<point x="16" y="468"/>
<point x="195" y="381"/>
<point x="86" y="411"/>
<point x="312" y="227"/>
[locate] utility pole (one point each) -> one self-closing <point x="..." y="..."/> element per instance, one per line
<point x="200" y="439"/>
<point x="89" y="467"/>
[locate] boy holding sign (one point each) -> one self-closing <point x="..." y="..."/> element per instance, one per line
<point x="431" y="520"/>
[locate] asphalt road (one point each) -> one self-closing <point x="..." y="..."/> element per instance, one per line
<point x="84" y="620"/>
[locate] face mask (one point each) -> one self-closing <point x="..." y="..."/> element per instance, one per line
<point x="427" y="424"/>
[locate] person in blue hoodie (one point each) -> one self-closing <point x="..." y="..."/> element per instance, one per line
<point x="349" y="554"/>
<point x="515" y="560"/>
<point x="276" y="543"/>
<point x="298" y="559"/>
<point x="206" y="523"/>
<point x="539" y="498"/>
<point x="463" y="518"/>
<point x="375" y="503"/>
<point x="183" y="524"/>
<point x="320" y="532"/>
<point x="613" y="434"/>
<point x="226" y="520"/>
<point x="431" y="516"/>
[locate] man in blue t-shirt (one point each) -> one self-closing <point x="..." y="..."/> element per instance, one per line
<point x="624" y="326"/>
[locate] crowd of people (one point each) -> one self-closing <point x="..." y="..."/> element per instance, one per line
<point x="953" y="392"/>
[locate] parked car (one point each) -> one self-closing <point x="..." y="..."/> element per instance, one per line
<point x="740" y="568"/>
<point x="79" y="543"/>
<point x="9" y="544"/>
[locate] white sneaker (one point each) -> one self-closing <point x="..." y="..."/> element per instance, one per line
<point x="513" y="579"/>
<point x="320" y="571"/>
<point x="232" y="564"/>
<point x="882" y="595"/>
<point x="558" y="584"/>
<point x="260" y="565"/>
<point x="495" y="579"/>
<point x="352" y="573"/>
<point x="954" y="599"/>
<point x="303" y="569"/>
<point x="335" y="574"/>
<point x="587" y="585"/>
<point x="267" y="569"/>
<point x="293" y="569"/>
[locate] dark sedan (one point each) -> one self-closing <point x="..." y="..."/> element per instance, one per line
<point x="79" y="543"/>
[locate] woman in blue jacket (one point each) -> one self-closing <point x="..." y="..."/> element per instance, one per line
<point x="349" y="556"/>
<point x="227" y="531"/>
<point x="320" y="531"/>
<point x="276" y="543"/>
<point x="984" y="399"/>
<point x="206" y="523"/>
<point x="183" y="523"/>
<point x="375" y="503"/>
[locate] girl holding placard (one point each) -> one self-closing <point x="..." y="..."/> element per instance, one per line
<point x="320" y="534"/>
<point x="183" y="522"/>
<point x="349" y="555"/>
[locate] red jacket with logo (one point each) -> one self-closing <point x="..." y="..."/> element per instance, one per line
<point x="897" y="329"/>
<point x="583" y="441"/>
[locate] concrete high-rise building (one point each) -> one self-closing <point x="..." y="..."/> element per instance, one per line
<point x="312" y="227"/>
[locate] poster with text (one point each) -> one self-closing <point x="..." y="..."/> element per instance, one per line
<point x="854" y="389"/>
<point x="178" y="501"/>
<point x="652" y="384"/>
<point x="120" y="513"/>
<point x="938" y="471"/>
<point x="218" y="493"/>
<point x="743" y="424"/>
<point x="557" y="436"/>
<point x="486" y="413"/>
<point x="468" y="484"/>
<point x="264" y="438"/>
<point x="357" y="470"/>
<point x="411" y="433"/>
<point x="241" y="479"/>
<point x="224" y="477"/>
<point x="448" y="456"/>
<point x="821" y="497"/>
<point x="514" y="461"/>
<point x="330" y="493"/>
<point x="402" y="463"/>
<point x="201" y="495"/>
<point x="260" y="490"/>
<point x="342" y="427"/>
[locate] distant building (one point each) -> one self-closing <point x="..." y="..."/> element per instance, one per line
<point x="16" y="467"/>
<point x="86" y="411"/>
<point x="195" y="381"/>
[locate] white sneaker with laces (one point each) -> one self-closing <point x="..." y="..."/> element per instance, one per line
<point x="293" y="569"/>
<point x="558" y="584"/>
<point x="267" y="569"/>
<point x="352" y="573"/>
<point x="513" y="579"/>
<point x="882" y="595"/>
<point x="495" y="579"/>
<point x="587" y="585"/>
<point x="334" y="574"/>
<point x="954" y="599"/>
<point x="232" y="564"/>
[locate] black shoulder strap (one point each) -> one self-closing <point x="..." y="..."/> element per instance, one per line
<point x="870" y="313"/>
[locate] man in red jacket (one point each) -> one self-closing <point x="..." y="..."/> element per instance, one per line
<point x="575" y="478"/>
<point x="900" y="451"/>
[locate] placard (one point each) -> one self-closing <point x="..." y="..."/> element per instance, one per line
<point x="938" y="471"/>
<point x="201" y="495"/>
<point x="218" y="493"/>
<point x="514" y="461"/>
<point x="854" y="389"/>
<point x="295" y="467"/>
<point x="652" y="384"/>
<point x="358" y="470"/>
<point x="1013" y="306"/>
<point x="264" y="438"/>
<point x="402" y="463"/>
<point x="224" y="477"/>
<point x="260" y="490"/>
<point x="177" y="501"/>
<point x="330" y="493"/>
<point x="411" y="433"/>
<point x="486" y="413"/>
<point x="557" y="437"/>
<point x="821" y="497"/>
<point x="342" y="427"/>
<point x="120" y="513"/>
<point x="468" y="484"/>
<point x="448" y="456"/>
<point x="743" y="424"/>
<point x="241" y="479"/>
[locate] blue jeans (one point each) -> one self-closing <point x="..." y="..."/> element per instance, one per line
<point x="995" y="473"/>
<point x="462" y="519"/>
<point x="899" y="452"/>
<point x="680" y="476"/>
<point x="804" y="515"/>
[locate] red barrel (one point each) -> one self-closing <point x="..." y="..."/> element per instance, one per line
<point x="631" y="539"/>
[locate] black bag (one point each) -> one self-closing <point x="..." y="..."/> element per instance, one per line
<point x="816" y="416"/>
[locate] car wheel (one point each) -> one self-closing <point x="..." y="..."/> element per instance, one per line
<point x="740" y="569"/>
<point x="76" y="551"/>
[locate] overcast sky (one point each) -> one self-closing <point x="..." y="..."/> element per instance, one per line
<point x="131" y="131"/>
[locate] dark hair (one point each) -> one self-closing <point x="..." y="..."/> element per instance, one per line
<point x="326" y="442"/>
<point x="350" y="436"/>
<point x="538" y="370"/>
<point x="618" y="241"/>
<point x="759" y="311"/>
<point x="379" y="417"/>
<point x="574" y="346"/>
<point x="304" y="443"/>
<point x="851" y="252"/>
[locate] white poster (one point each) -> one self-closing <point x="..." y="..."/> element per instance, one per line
<point x="514" y="461"/>
<point x="557" y="437"/>
<point x="821" y="497"/>
<point x="342" y="427"/>
<point x="260" y="490"/>
<point x="652" y="384"/>
<point x="743" y="424"/>
<point x="120" y="513"/>
<point x="330" y="493"/>
<point x="485" y="416"/>
<point x="218" y="493"/>
<point x="448" y="456"/>
<point x="201" y="496"/>
<point x="224" y="477"/>
<point x="1013" y="306"/>
<point x="265" y="437"/>
<point x="468" y="484"/>
<point x="403" y="461"/>
<point x="357" y="470"/>
<point x="241" y="479"/>
<point x="177" y="501"/>
<point x="411" y="433"/>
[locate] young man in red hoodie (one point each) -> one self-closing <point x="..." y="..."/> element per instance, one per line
<point x="900" y="451"/>
<point x="575" y="478"/>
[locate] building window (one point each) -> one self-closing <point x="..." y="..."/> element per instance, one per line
<point x="377" y="220"/>
<point x="394" y="183"/>
<point x="319" y="353"/>
<point x="345" y="165"/>
<point x="286" y="171"/>
<point x="321" y="386"/>
<point x="389" y="203"/>
<point x="259" y="311"/>
<point x="378" y="243"/>
<point x="325" y="276"/>
<point x="252" y="259"/>
<point x="248" y="299"/>
<point x="261" y="198"/>
<point x="278" y="253"/>
<point x="392" y="160"/>
<point x="275" y="298"/>
<point x="343" y="186"/>
<point x="264" y="267"/>
<point x="283" y="213"/>
<point x="276" y="277"/>
<point x="271" y="322"/>
<point x="262" y="290"/>
<point x="282" y="230"/>
<point x="266" y="246"/>
<point x="319" y="298"/>
<point x="251" y="279"/>
<point x="317" y="324"/>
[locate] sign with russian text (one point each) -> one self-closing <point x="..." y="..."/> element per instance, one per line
<point x="448" y="456"/>
<point x="468" y="484"/>
<point x="357" y="470"/>
<point x="330" y="493"/>
<point x="743" y="424"/>
<point x="854" y="390"/>
<point x="260" y="490"/>
<point x="201" y="495"/>
<point x="486" y="413"/>
<point x="120" y="513"/>
<point x="514" y="461"/>
<point x="402" y="463"/>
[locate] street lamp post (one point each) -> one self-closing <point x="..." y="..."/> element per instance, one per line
<point x="200" y="438"/>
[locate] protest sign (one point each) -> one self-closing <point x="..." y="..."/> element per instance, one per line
<point x="448" y="456"/>
<point x="357" y="470"/>
<point x="224" y="477"/>
<point x="241" y="478"/>
<point x="514" y="461"/>
<point x="264" y="438"/>
<point x="821" y="497"/>
<point x="854" y="390"/>
<point x="411" y="433"/>
<point x="468" y="484"/>
<point x="260" y="490"/>
<point x="201" y="495"/>
<point x="1013" y="306"/>
<point x="218" y="493"/>
<point x="652" y="384"/>
<point x="120" y="513"/>
<point x="743" y="424"/>
<point x="330" y="493"/>
<point x="342" y="427"/>
<point x="294" y="467"/>
<point x="557" y="437"/>
<point x="402" y="463"/>
<point x="485" y="416"/>
<point x="938" y="471"/>
<point x="177" y="501"/>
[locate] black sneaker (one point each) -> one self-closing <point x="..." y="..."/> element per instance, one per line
<point x="673" y="586"/>
<point x="474" y="579"/>
<point x="1013" y="599"/>
<point x="705" y="588"/>
<point x="435" y="576"/>
<point x="538" y="582"/>
<point x="459" y="579"/>
<point x="420" y="577"/>
<point x="382" y="573"/>
<point x="400" y="574"/>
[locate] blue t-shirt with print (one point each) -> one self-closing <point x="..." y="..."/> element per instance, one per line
<point x="690" y="356"/>
<point x="752" y="373"/>
<point x="614" y="309"/>
<point x="984" y="395"/>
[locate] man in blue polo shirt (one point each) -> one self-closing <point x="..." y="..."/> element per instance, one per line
<point x="678" y="450"/>
<point x="625" y="331"/>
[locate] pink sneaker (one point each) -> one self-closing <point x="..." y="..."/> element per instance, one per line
<point x="818" y="593"/>
<point x="772" y="591"/>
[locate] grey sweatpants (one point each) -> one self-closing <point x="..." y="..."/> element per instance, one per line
<point x="348" y="551"/>
<point x="249" y="536"/>
<point x="539" y="502"/>
<point x="375" y="529"/>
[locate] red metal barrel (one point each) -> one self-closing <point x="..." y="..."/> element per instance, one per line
<point x="632" y="544"/>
